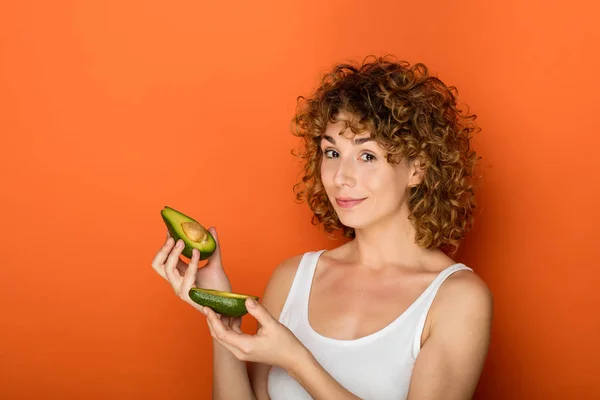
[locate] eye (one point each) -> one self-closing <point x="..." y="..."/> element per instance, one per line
<point x="330" y="153"/>
<point x="368" y="157"/>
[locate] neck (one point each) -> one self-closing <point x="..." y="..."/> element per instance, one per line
<point x="389" y="242"/>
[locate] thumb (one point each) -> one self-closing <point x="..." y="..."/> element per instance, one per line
<point x="216" y="256"/>
<point x="263" y="317"/>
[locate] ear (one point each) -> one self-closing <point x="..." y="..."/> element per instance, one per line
<point x="416" y="172"/>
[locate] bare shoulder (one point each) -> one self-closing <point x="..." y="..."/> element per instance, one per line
<point x="279" y="285"/>
<point x="287" y="267"/>
<point x="466" y="286"/>
<point x="464" y="296"/>
<point x="452" y="357"/>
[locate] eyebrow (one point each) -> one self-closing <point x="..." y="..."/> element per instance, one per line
<point x="356" y="141"/>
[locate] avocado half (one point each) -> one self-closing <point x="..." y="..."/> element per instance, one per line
<point x="193" y="234"/>
<point x="224" y="303"/>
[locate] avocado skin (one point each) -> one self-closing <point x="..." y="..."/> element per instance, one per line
<point x="221" y="304"/>
<point x="206" y="250"/>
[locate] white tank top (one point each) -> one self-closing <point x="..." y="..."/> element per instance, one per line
<point x="374" y="367"/>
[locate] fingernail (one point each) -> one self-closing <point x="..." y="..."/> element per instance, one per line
<point x="251" y="302"/>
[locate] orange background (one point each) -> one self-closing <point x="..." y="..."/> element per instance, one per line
<point x="110" y="110"/>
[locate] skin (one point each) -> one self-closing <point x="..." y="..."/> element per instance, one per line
<point x="383" y="262"/>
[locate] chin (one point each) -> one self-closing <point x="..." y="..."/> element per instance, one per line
<point x="363" y="219"/>
<point x="353" y="221"/>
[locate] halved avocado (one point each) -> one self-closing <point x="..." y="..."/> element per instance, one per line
<point x="224" y="303"/>
<point x="193" y="234"/>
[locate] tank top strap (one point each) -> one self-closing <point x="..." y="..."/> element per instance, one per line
<point x="300" y="288"/>
<point x="429" y="297"/>
<point x="307" y="274"/>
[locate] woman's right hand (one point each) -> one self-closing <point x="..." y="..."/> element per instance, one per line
<point x="182" y="277"/>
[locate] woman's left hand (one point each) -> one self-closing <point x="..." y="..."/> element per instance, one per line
<point x="273" y="344"/>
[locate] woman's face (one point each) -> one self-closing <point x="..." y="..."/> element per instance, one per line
<point x="361" y="185"/>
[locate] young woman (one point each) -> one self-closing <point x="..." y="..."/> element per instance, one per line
<point x="389" y="314"/>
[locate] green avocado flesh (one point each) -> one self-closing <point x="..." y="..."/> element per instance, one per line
<point x="224" y="303"/>
<point x="194" y="235"/>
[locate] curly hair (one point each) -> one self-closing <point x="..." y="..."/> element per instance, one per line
<point x="412" y="115"/>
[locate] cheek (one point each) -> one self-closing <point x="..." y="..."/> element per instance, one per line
<point x="383" y="184"/>
<point x="327" y="173"/>
<point x="372" y="178"/>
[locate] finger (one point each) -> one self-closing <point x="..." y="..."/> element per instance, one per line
<point x="230" y="322"/>
<point x="171" y="265"/>
<point x="232" y="341"/>
<point x="161" y="256"/>
<point x="226" y="321"/>
<point x="263" y="317"/>
<point x="181" y="267"/>
<point x="240" y="341"/>
<point x="238" y="354"/>
<point x="216" y="256"/>
<point x="210" y="328"/>
<point x="206" y="311"/>
<point x="236" y="325"/>
<point x="189" y="277"/>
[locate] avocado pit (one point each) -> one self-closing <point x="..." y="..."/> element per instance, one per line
<point x="194" y="231"/>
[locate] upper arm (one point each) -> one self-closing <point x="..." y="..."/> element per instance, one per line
<point x="450" y="362"/>
<point x="273" y="299"/>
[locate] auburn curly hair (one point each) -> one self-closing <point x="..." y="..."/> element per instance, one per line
<point x="411" y="114"/>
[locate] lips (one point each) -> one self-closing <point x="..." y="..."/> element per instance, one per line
<point x="348" y="202"/>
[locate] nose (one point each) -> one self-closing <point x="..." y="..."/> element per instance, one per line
<point x="345" y="174"/>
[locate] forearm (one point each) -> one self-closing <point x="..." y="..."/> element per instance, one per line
<point x="317" y="381"/>
<point x="230" y="376"/>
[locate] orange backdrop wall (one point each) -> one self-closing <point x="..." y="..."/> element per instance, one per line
<point x="110" y="110"/>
